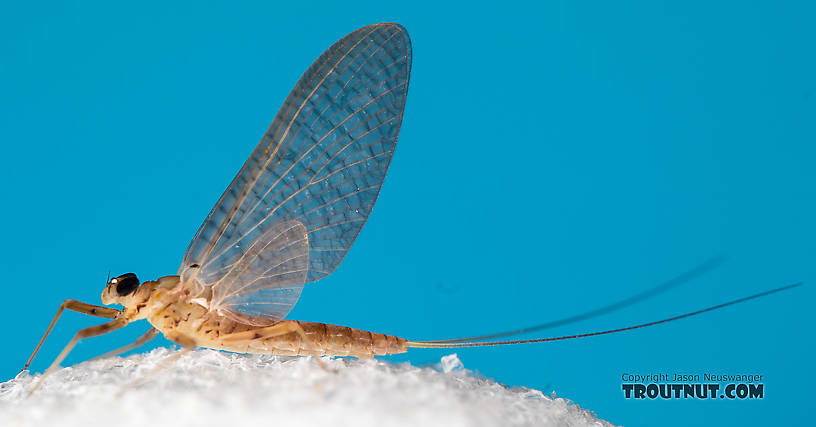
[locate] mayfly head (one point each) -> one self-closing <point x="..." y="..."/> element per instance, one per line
<point x="120" y="288"/>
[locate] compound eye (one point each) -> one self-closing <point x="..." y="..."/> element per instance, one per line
<point x="125" y="284"/>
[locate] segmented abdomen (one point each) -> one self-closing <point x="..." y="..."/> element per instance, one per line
<point x="343" y="341"/>
<point x="328" y="340"/>
<point x="321" y="339"/>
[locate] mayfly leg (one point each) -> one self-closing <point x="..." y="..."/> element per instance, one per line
<point x="158" y="368"/>
<point x="149" y="335"/>
<point x="80" y="307"/>
<point x="281" y="328"/>
<point x="187" y="344"/>
<point x="92" y="331"/>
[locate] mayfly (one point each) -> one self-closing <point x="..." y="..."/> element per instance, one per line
<point x="288" y="218"/>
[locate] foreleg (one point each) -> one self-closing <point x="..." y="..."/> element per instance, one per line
<point x="83" y="333"/>
<point x="80" y="307"/>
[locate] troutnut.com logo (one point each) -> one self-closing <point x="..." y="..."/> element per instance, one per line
<point x="692" y="386"/>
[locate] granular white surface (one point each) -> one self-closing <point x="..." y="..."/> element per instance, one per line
<point x="208" y="388"/>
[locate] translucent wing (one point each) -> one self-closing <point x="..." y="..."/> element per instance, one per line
<point x="299" y="201"/>
<point x="266" y="278"/>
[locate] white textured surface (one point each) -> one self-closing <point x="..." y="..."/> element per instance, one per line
<point x="212" y="388"/>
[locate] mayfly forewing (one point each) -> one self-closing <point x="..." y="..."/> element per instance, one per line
<point x="321" y="163"/>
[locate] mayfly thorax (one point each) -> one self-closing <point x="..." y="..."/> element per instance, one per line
<point x="288" y="218"/>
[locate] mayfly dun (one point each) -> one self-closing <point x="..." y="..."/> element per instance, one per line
<point x="288" y="218"/>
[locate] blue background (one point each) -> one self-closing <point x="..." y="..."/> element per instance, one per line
<point x="554" y="157"/>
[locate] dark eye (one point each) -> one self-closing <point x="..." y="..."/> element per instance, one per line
<point x="126" y="284"/>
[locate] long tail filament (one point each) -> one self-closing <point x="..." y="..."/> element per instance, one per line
<point x="443" y="344"/>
